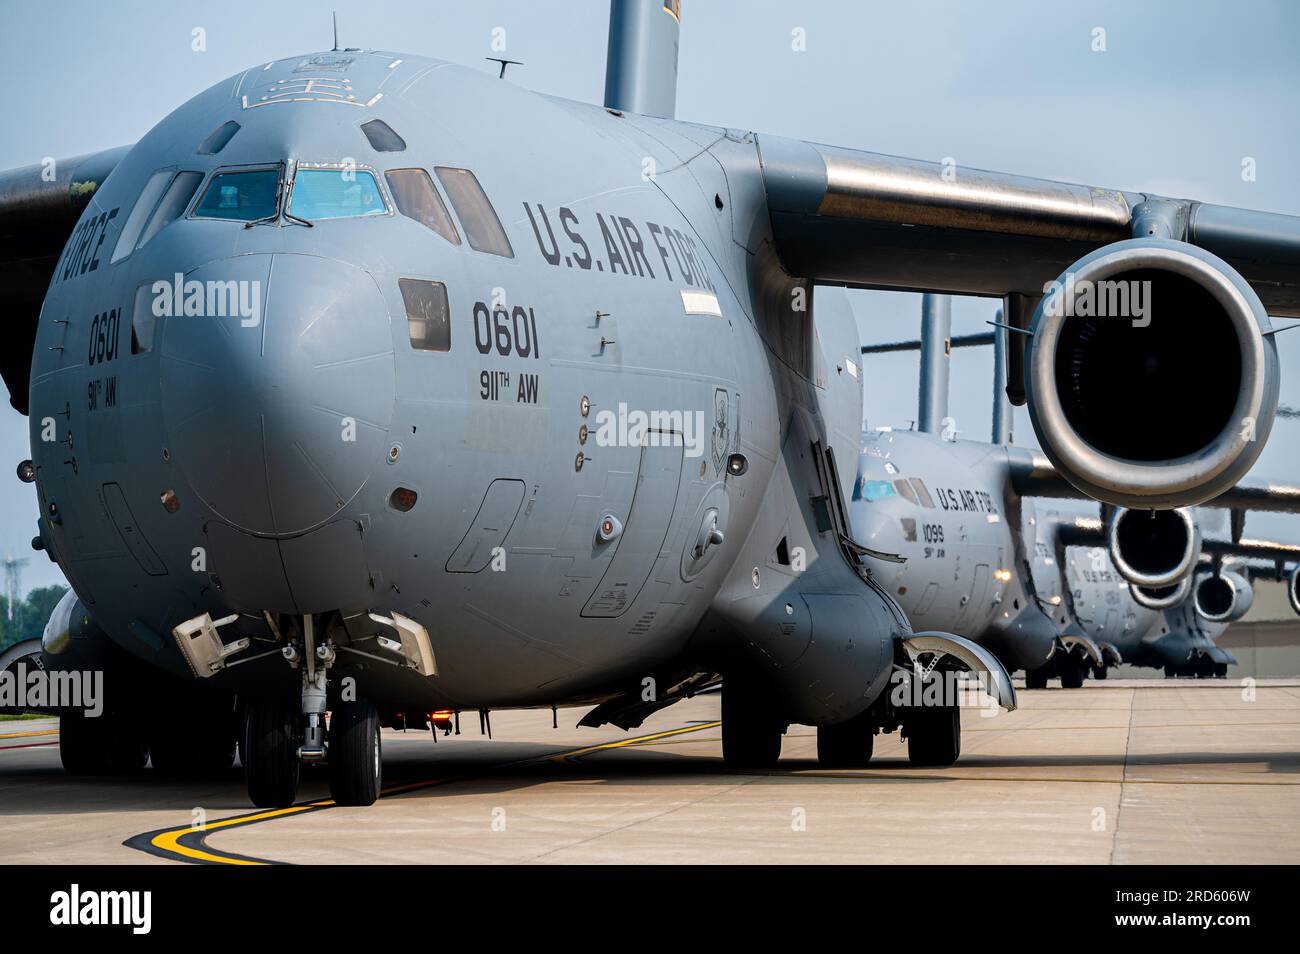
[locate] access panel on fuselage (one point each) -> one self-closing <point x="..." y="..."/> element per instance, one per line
<point x="645" y="529"/>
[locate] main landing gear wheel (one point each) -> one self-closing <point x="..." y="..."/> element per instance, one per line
<point x="1099" y="672"/>
<point x="194" y="750"/>
<point x="846" y="744"/>
<point x="355" y="754"/>
<point x="1036" y="678"/>
<point x="751" y="736"/>
<point x="102" y="745"/>
<point x="270" y="751"/>
<point x="1220" y="670"/>
<point x="933" y="735"/>
<point x="1073" y="671"/>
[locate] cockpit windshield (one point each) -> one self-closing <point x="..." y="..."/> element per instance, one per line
<point x="335" y="194"/>
<point x="240" y="196"/>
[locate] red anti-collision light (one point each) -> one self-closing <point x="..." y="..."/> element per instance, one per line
<point x="402" y="499"/>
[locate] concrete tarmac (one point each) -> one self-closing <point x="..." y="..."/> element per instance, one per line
<point x="1118" y="772"/>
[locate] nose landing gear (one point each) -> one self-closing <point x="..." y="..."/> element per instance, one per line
<point x="280" y="734"/>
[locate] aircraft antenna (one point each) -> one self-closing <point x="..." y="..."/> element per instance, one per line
<point x="504" y="64"/>
<point x="335" y="15"/>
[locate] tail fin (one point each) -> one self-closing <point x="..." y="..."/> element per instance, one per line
<point x="641" y="66"/>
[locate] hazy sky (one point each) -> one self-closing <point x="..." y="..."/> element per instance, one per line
<point x="1183" y="92"/>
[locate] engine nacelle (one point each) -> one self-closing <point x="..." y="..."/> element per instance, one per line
<point x="1223" y="597"/>
<point x="1293" y="589"/>
<point x="1162" y="597"/>
<point x="1153" y="548"/>
<point x="1150" y="379"/>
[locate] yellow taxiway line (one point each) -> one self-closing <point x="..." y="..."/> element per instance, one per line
<point x="187" y="842"/>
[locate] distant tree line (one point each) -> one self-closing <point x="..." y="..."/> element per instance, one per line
<point x="30" y="615"/>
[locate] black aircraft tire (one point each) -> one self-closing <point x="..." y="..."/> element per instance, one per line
<point x="100" y="745"/>
<point x="270" y="751"/>
<point x="1099" y="672"/>
<point x="751" y="737"/>
<point x="1072" y="673"/>
<point x="81" y="744"/>
<point x="933" y="735"/>
<point x="846" y="744"/>
<point x="192" y="751"/>
<point x="1220" y="670"/>
<point x="127" y="748"/>
<point x="1036" y="678"/>
<point x="356" y="754"/>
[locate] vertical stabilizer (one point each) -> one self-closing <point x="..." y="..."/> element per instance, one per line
<point x="641" y="65"/>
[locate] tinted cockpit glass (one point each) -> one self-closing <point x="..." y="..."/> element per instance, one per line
<point x="172" y="204"/>
<point x="335" y="194"/>
<point x="416" y="198"/>
<point x="240" y="196"/>
<point x="477" y="217"/>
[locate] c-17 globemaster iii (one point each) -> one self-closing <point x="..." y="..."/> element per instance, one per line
<point x="963" y="546"/>
<point x="346" y="401"/>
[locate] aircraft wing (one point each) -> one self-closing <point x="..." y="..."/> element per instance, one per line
<point x="880" y="221"/>
<point x="1033" y="475"/>
<point x="39" y="206"/>
<point x="1251" y="549"/>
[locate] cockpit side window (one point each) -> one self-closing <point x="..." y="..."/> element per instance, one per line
<point x="240" y="196"/>
<point x="428" y="318"/>
<point x="144" y="205"/>
<point x="335" y="194"/>
<point x="172" y="205"/>
<point x="905" y="490"/>
<point x="477" y="217"/>
<point x="923" y="493"/>
<point x="417" y="199"/>
<point x="143" y="320"/>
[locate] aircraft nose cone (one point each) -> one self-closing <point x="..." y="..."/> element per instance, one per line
<point x="277" y="414"/>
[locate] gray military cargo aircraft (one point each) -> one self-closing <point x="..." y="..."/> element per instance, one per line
<point x="1171" y="626"/>
<point x="345" y="400"/>
<point x="1038" y="588"/>
<point x="1055" y="594"/>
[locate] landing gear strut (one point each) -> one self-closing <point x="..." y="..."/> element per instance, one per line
<point x="280" y="733"/>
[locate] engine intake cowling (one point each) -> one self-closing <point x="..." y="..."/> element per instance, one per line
<point x="1224" y="597"/>
<point x="1162" y="597"/>
<point x="1293" y="590"/>
<point x="1150" y="379"/>
<point x="1153" y="548"/>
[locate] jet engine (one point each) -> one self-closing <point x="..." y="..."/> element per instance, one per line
<point x="1161" y="597"/>
<point x="1153" y="548"/>
<point x="1293" y="589"/>
<point x="1151" y="375"/>
<point x="1223" y="597"/>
